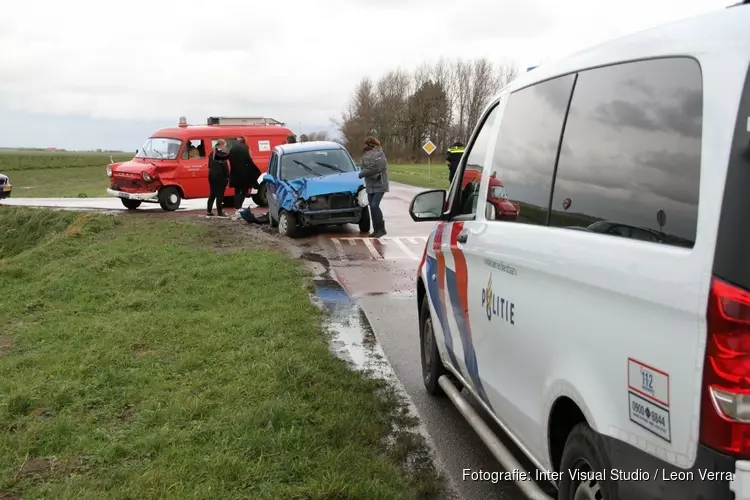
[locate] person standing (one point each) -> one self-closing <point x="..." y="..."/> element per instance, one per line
<point x="375" y="173"/>
<point x="291" y="139"/>
<point x="453" y="157"/>
<point x="218" y="176"/>
<point x="244" y="172"/>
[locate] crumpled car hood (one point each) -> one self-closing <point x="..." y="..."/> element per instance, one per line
<point x="289" y="192"/>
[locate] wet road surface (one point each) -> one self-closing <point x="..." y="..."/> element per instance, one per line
<point x="379" y="274"/>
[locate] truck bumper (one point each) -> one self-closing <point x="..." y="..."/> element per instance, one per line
<point x="134" y="196"/>
<point x="326" y="217"/>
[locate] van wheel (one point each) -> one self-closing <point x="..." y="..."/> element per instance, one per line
<point x="364" y="220"/>
<point x="432" y="365"/>
<point x="169" y="198"/>
<point x="287" y="224"/>
<point x="131" y="204"/>
<point x="261" y="197"/>
<point x="584" y="451"/>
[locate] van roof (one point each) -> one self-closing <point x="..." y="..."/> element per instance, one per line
<point x="725" y="30"/>
<point x="222" y="131"/>
<point x="304" y="147"/>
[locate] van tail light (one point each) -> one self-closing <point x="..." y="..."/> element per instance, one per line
<point x="725" y="405"/>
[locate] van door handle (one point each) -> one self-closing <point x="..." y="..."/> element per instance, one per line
<point x="463" y="236"/>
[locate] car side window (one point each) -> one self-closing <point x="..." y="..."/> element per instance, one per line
<point x="523" y="162"/>
<point x="631" y="151"/>
<point x="273" y="165"/>
<point x="195" y="148"/>
<point x="467" y="183"/>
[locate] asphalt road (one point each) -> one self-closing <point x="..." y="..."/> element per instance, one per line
<point x="380" y="275"/>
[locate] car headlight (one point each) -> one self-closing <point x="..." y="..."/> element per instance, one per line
<point x="146" y="177"/>
<point x="362" y="197"/>
<point x="109" y="171"/>
<point x="313" y="198"/>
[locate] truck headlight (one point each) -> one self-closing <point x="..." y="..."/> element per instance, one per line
<point x="146" y="177"/>
<point x="109" y="171"/>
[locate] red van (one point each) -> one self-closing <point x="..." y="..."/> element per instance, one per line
<point x="172" y="164"/>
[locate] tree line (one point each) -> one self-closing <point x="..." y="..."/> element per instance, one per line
<point x="436" y="101"/>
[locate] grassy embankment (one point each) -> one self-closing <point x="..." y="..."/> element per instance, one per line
<point x="132" y="367"/>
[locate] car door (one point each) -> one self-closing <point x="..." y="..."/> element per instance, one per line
<point x="273" y="206"/>
<point x="509" y="322"/>
<point x="194" y="166"/>
<point x="456" y="285"/>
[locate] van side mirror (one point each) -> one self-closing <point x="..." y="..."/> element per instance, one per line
<point x="268" y="178"/>
<point x="428" y="205"/>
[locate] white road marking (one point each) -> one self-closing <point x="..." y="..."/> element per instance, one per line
<point x="371" y="248"/>
<point x="339" y="249"/>
<point x="405" y="249"/>
<point x="352" y="241"/>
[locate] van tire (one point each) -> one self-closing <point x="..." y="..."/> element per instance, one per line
<point x="130" y="204"/>
<point x="432" y="365"/>
<point x="364" y="220"/>
<point x="584" y="450"/>
<point x="261" y="197"/>
<point x="169" y="198"/>
<point x="287" y="224"/>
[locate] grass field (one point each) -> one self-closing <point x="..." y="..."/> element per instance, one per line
<point x="427" y="176"/>
<point x="53" y="174"/>
<point x="132" y="367"/>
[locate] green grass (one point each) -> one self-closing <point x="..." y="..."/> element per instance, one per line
<point x="434" y="176"/>
<point x="131" y="366"/>
<point x="57" y="174"/>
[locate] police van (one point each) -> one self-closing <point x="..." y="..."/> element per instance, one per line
<point x="606" y="328"/>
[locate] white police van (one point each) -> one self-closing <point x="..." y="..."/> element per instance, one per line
<point x="606" y="327"/>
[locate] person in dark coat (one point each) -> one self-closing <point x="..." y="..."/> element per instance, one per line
<point x="375" y="173"/>
<point x="291" y="139"/>
<point x="218" y="176"/>
<point x="244" y="173"/>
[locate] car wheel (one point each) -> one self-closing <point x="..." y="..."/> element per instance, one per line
<point x="131" y="204"/>
<point x="261" y="197"/>
<point x="364" y="220"/>
<point x="170" y="199"/>
<point x="287" y="224"/>
<point x="432" y="365"/>
<point x="583" y="452"/>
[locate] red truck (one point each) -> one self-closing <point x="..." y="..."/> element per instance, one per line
<point x="502" y="207"/>
<point x="172" y="165"/>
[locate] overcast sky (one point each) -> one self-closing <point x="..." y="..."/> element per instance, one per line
<point x="84" y="75"/>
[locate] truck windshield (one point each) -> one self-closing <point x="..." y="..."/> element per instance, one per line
<point x="315" y="164"/>
<point x="159" y="148"/>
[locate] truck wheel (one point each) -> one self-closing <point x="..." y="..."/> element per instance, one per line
<point x="364" y="220"/>
<point x="169" y="198"/>
<point x="131" y="204"/>
<point x="432" y="365"/>
<point x="287" y="224"/>
<point x="584" y="452"/>
<point x="261" y="197"/>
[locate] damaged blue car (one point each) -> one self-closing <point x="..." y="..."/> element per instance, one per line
<point x="314" y="184"/>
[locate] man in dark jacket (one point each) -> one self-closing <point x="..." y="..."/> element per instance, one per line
<point x="453" y="157"/>
<point x="244" y="173"/>
<point x="218" y="175"/>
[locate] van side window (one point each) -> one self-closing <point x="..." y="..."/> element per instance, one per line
<point x="524" y="158"/>
<point x="467" y="183"/>
<point x="632" y="150"/>
<point x="194" y="149"/>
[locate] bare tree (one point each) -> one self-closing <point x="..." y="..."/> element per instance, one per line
<point x="318" y="136"/>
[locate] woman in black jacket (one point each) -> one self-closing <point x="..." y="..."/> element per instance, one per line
<point x="218" y="177"/>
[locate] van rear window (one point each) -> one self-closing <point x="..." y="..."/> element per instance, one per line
<point x="732" y="258"/>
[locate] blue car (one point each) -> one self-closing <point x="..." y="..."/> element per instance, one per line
<point x="314" y="184"/>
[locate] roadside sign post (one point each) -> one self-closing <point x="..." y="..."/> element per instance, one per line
<point x="429" y="148"/>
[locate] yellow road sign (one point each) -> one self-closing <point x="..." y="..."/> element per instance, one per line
<point x="429" y="147"/>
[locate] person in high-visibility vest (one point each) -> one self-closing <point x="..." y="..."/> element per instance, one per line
<point x="453" y="157"/>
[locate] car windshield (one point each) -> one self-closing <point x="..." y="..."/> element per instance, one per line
<point x="315" y="164"/>
<point x="159" y="148"/>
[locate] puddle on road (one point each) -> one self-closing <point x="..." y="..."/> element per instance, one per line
<point x="352" y="336"/>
